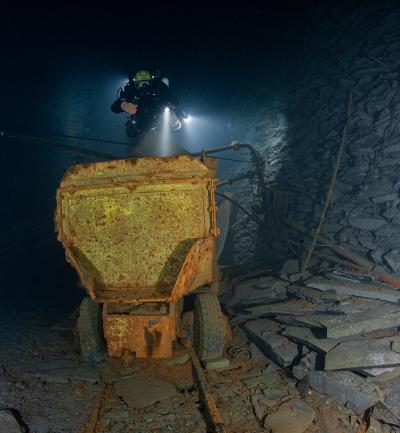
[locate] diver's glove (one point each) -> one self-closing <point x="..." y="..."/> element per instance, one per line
<point x="129" y="107"/>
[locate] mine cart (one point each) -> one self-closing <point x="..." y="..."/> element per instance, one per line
<point x="141" y="235"/>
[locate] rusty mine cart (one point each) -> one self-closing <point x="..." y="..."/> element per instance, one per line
<point x="141" y="234"/>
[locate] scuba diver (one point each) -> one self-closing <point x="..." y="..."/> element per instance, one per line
<point x="146" y="98"/>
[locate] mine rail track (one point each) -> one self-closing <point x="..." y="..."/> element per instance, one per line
<point x="212" y="415"/>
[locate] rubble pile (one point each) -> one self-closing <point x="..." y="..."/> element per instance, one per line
<point x="335" y="333"/>
<point x="334" y="330"/>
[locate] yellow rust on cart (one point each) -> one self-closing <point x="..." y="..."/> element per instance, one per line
<point x="140" y="232"/>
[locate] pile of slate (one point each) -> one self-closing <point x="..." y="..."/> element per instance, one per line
<point x="335" y="333"/>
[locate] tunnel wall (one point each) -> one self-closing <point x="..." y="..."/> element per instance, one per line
<point x="351" y="48"/>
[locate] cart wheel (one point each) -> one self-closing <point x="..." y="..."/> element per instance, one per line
<point x="208" y="327"/>
<point x="91" y="331"/>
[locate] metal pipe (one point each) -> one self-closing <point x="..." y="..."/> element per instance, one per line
<point x="234" y="145"/>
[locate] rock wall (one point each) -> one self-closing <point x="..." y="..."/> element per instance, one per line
<point x="352" y="48"/>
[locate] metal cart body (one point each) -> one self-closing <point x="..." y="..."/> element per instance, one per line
<point x="141" y="235"/>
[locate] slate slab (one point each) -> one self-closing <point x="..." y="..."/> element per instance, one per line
<point x="382" y="413"/>
<point x="375" y="426"/>
<point x="270" y="378"/>
<point x="329" y="420"/>
<point x="345" y="388"/>
<point x="259" y="406"/>
<point x="256" y="353"/>
<point x="355" y="289"/>
<point x="392" y="259"/>
<point x="355" y="305"/>
<point x="307" y="362"/>
<point x="292" y="307"/>
<point x="363" y="354"/>
<point x="307" y="337"/>
<point x="265" y="333"/>
<point x="301" y="321"/>
<point x="294" y="416"/>
<point x="338" y="325"/>
<point x="388" y="408"/>
<point x="377" y="372"/>
<point x="258" y="291"/>
<point x="359" y="323"/>
<point x="387" y="376"/>
<point x="316" y="297"/>
<point x="65" y="375"/>
<point x="142" y="391"/>
<point x="274" y="387"/>
<point x="8" y="423"/>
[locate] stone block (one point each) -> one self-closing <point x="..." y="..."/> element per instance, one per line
<point x="216" y="364"/>
<point x="265" y="334"/>
<point x="392" y="259"/>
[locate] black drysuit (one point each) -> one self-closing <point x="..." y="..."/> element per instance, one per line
<point x="151" y="98"/>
